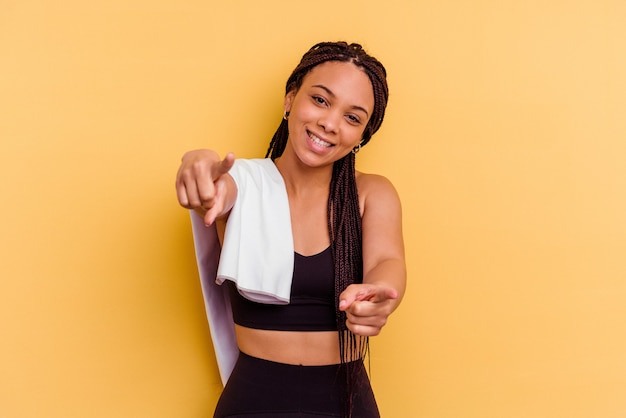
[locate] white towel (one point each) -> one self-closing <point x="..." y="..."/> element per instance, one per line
<point x="216" y="301"/>
<point x="258" y="253"/>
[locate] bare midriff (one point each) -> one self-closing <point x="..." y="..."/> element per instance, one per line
<point x="305" y="348"/>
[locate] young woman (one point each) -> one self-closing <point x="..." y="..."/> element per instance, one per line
<point x="303" y="356"/>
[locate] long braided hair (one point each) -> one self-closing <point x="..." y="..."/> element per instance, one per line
<point x="344" y="218"/>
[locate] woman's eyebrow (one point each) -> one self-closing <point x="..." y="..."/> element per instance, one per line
<point x="331" y="94"/>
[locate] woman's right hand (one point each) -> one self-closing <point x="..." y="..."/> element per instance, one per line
<point x="202" y="183"/>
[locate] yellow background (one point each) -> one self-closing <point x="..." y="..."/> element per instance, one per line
<point x="505" y="137"/>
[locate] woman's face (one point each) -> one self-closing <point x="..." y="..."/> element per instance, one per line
<point x="329" y="112"/>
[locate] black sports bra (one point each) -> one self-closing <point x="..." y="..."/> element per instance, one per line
<point x="312" y="305"/>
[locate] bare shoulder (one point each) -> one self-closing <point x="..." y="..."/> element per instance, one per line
<point x="375" y="190"/>
<point x="381" y="215"/>
<point x="368" y="184"/>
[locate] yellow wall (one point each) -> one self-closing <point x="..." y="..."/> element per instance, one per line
<point x="505" y="136"/>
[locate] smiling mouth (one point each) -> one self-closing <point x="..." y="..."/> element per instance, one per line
<point x="318" y="141"/>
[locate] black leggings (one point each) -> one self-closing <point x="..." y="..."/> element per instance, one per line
<point x="265" y="389"/>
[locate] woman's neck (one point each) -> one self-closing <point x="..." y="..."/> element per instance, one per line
<point x="301" y="179"/>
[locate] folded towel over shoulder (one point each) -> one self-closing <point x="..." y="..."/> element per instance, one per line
<point x="257" y="253"/>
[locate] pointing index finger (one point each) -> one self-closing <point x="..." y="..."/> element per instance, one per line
<point x="376" y="294"/>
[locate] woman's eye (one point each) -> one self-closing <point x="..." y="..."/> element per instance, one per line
<point x="354" y="119"/>
<point x="319" y="100"/>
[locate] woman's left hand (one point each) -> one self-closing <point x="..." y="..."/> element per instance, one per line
<point x="367" y="307"/>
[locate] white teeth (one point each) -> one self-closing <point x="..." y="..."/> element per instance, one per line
<point x="318" y="141"/>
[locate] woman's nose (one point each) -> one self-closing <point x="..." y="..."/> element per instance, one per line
<point x="329" y="121"/>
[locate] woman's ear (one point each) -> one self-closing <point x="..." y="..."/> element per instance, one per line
<point x="288" y="101"/>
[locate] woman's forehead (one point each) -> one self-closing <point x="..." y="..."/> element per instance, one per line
<point x="342" y="79"/>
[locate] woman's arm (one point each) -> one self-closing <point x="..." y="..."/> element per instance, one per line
<point x="204" y="185"/>
<point x="368" y="305"/>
